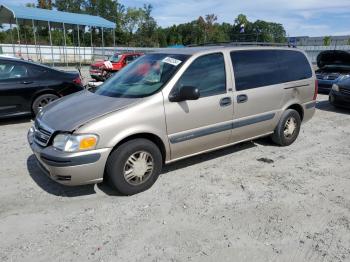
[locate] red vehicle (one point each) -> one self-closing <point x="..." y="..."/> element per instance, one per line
<point x="102" y="70"/>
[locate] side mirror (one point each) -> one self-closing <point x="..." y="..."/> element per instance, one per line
<point x="185" y="93"/>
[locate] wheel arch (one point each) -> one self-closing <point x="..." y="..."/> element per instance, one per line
<point x="42" y="92"/>
<point x="297" y="107"/>
<point x="145" y="135"/>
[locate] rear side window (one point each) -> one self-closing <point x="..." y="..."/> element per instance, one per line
<point x="207" y="73"/>
<point x="257" y="68"/>
<point x="36" y="71"/>
<point x="10" y="70"/>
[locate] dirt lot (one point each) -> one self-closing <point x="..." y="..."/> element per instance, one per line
<point x="250" y="202"/>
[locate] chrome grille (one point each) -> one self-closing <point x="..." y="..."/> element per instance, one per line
<point x="42" y="134"/>
<point x="332" y="77"/>
<point x="344" y="90"/>
<point x="326" y="76"/>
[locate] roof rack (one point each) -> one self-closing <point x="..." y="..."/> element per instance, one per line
<point x="242" y="44"/>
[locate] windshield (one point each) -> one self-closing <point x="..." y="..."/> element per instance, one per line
<point x="143" y="77"/>
<point x="115" y="58"/>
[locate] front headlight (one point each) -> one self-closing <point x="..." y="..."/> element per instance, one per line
<point x="335" y="87"/>
<point x="75" y="143"/>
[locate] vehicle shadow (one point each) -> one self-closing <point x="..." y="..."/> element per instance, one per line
<point x="324" y="105"/>
<point x="207" y="156"/>
<point x="52" y="187"/>
<point x="15" y="120"/>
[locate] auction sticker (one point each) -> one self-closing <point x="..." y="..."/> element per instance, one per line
<point x="171" y="61"/>
<point x="108" y="64"/>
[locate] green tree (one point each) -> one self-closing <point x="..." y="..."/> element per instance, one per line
<point x="327" y="41"/>
<point x="45" y="4"/>
<point x="30" y="5"/>
<point x="74" y="6"/>
<point x="147" y="31"/>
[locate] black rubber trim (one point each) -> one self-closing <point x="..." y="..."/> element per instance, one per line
<point x="291" y="87"/>
<point x="199" y="133"/>
<point x="253" y="120"/>
<point x="61" y="161"/>
<point x="220" y="128"/>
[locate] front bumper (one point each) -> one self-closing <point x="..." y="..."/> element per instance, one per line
<point x="71" y="168"/>
<point x="339" y="99"/>
<point x="96" y="74"/>
<point x="325" y="86"/>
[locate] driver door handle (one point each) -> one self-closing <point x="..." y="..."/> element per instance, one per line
<point x="225" y="101"/>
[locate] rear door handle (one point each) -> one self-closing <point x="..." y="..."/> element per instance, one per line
<point x="225" y="101"/>
<point x="242" y="98"/>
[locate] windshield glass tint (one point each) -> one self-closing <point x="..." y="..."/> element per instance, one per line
<point x="115" y="58"/>
<point x="143" y="77"/>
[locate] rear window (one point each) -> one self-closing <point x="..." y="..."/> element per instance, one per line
<point x="257" y="68"/>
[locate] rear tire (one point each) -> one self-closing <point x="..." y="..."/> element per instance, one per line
<point x="134" y="166"/>
<point x="42" y="101"/>
<point x="288" y="128"/>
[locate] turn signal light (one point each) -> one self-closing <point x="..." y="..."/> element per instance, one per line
<point x="87" y="143"/>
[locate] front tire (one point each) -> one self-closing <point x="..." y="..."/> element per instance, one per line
<point x="42" y="101"/>
<point x="134" y="166"/>
<point x="288" y="128"/>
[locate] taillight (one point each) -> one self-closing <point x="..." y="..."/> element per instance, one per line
<point x="316" y="89"/>
<point x="77" y="81"/>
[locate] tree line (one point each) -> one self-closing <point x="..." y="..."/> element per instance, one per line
<point x="135" y="26"/>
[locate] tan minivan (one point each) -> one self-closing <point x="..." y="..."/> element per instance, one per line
<point x="170" y="105"/>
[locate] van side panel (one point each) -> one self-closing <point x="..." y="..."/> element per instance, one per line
<point x="271" y="80"/>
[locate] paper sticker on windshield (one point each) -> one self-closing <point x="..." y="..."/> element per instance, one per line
<point x="171" y="61"/>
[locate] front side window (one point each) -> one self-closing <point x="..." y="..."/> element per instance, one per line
<point x="144" y="77"/>
<point x="115" y="58"/>
<point x="207" y="73"/>
<point x="12" y="70"/>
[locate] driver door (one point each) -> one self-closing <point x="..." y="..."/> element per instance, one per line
<point x="14" y="83"/>
<point x="194" y="126"/>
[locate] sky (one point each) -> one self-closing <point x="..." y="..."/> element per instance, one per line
<point x="299" y="17"/>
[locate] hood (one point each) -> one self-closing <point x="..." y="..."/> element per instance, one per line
<point x="345" y="83"/>
<point x="98" y="64"/>
<point x="336" y="58"/>
<point x="70" y="112"/>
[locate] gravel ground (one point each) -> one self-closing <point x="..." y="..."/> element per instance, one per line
<point x="249" y="202"/>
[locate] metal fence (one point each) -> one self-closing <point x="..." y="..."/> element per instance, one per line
<point x="85" y="55"/>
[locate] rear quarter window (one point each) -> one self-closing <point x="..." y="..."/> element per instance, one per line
<point x="258" y="68"/>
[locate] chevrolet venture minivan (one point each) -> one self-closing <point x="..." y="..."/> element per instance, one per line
<point x="172" y="105"/>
